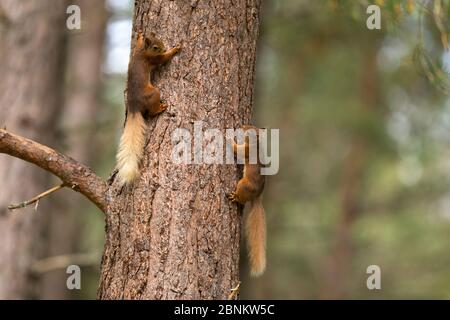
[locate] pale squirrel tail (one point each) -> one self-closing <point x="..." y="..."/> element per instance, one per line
<point x="255" y="230"/>
<point x="131" y="148"/>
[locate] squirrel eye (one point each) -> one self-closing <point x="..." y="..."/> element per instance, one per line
<point x="155" y="47"/>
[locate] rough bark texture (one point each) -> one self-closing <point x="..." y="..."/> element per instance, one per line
<point x="79" y="124"/>
<point x="31" y="50"/>
<point x="173" y="234"/>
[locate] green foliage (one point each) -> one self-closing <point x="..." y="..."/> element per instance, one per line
<point x="312" y="62"/>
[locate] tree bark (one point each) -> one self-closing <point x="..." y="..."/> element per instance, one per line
<point x="31" y="51"/>
<point x="173" y="234"/>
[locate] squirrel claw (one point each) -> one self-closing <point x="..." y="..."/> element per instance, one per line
<point x="234" y="292"/>
<point x="177" y="48"/>
<point x="232" y="197"/>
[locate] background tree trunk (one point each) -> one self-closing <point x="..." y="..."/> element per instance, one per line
<point x="173" y="234"/>
<point x="338" y="272"/>
<point x="77" y="125"/>
<point x="31" y="64"/>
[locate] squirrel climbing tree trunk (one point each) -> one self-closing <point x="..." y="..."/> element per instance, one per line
<point x="173" y="234"/>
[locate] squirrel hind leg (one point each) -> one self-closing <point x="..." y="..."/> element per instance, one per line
<point x="152" y="102"/>
<point x="244" y="191"/>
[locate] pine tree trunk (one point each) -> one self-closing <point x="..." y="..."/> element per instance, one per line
<point x="31" y="51"/>
<point x="173" y="234"/>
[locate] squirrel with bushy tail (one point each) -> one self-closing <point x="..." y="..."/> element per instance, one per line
<point x="249" y="190"/>
<point x="143" y="100"/>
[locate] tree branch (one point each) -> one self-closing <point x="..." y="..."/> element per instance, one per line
<point x="70" y="171"/>
<point x="63" y="261"/>
<point x="36" y="199"/>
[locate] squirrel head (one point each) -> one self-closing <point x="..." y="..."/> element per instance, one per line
<point x="255" y="132"/>
<point x="252" y="139"/>
<point x="151" y="45"/>
<point x="250" y="127"/>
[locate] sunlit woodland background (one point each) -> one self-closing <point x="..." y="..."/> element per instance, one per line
<point x="364" y="119"/>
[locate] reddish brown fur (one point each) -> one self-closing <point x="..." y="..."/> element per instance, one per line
<point x="142" y="95"/>
<point x="142" y="99"/>
<point x="249" y="189"/>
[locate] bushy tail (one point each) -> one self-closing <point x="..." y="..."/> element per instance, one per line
<point x="131" y="148"/>
<point x="255" y="230"/>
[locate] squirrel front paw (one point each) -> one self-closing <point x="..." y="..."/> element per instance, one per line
<point x="177" y="48"/>
<point x="163" y="107"/>
<point x="232" y="196"/>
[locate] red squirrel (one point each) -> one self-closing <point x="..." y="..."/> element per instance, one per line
<point x="249" y="189"/>
<point x="143" y="100"/>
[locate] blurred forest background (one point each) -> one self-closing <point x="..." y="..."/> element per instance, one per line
<point x="364" y="119"/>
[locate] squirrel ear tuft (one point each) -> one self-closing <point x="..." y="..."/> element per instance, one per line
<point x="147" y="42"/>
